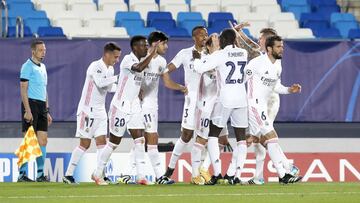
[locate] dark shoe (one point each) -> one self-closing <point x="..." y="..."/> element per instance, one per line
<point x="215" y="180"/>
<point x="289" y="179"/>
<point x="164" y="180"/>
<point x="24" y="178"/>
<point x="232" y="180"/>
<point x="69" y="180"/>
<point x="42" y="179"/>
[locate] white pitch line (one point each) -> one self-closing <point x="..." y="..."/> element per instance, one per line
<point x="181" y="195"/>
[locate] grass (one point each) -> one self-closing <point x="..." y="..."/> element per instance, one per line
<point x="181" y="192"/>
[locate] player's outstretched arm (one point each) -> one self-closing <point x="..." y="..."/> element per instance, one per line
<point x="169" y="83"/>
<point x="139" y="67"/>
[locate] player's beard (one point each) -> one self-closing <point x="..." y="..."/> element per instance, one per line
<point x="277" y="56"/>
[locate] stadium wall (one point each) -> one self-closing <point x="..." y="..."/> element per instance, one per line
<point x="329" y="72"/>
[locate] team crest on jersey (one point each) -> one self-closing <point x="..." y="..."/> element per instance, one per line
<point x="248" y="72"/>
<point x="116" y="129"/>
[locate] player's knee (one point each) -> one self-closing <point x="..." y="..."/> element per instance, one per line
<point x="201" y="140"/>
<point x="186" y="135"/>
<point x="114" y="139"/>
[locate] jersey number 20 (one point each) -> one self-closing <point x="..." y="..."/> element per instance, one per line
<point x="229" y="79"/>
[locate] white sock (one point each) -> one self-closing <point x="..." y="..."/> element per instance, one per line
<point x="140" y="157"/>
<point x="104" y="158"/>
<point x="154" y="157"/>
<point x="275" y="156"/>
<point x="207" y="162"/>
<point x="132" y="163"/>
<point x="76" y="155"/>
<point x="260" y="153"/>
<point x="232" y="166"/>
<point x="196" y="158"/>
<point x="177" y="152"/>
<point x="213" y="148"/>
<point x="241" y="158"/>
<point x="285" y="161"/>
<point x="99" y="150"/>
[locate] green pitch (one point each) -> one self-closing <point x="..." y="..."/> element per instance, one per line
<point x="180" y="192"/>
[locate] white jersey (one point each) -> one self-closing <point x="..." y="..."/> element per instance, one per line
<point x="263" y="79"/>
<point x="229" y="64"/>
<point x="192" y="78"/>
<point x="150" y="84"/>
<point x="126" y="96"/>
<point x="99" y="80"/>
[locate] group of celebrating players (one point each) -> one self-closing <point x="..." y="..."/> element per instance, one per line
<point x="227" y="77"/>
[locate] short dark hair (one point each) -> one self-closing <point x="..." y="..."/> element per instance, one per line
<point x="196" y="28"/>
<point x="157" y="36"/>
<point x="34" y="43"/>
<point x="270" y="41"/>
<point x="134" y="40"/>
<point x="268" y="31"/>
<point x="227" y="37"/>
<point x="111" y="46"/>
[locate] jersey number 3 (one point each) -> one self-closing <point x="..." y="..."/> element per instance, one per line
<point x="229" y="79"/>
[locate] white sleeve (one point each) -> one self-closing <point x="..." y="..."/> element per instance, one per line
<point x="281" y="89"/>
<point x="178" y="59"/>
<point x="99" y="80"/>
<point x="204" y="65"/>
<point x="113" y="88"/>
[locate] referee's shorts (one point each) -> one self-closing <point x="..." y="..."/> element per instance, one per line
<point x="39" y="113"/>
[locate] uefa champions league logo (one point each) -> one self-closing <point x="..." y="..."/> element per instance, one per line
<point x="109" y="167"/>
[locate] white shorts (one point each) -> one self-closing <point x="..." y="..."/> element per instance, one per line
<point x="203" y="124"/>
<point x="188" y="117"/>
<point x="119" y="121"/>
<point x="88" y="127"/>
<point x="273" y="106"/>
<point x="221" y="115"/>
<point x="150" y="119"/>
<point x="259" y="123"/>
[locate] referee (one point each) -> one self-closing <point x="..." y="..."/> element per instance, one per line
<point x="35" y="106"/>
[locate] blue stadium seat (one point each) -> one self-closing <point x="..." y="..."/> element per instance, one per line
<point x="345" y="27"/>
<point x="188" y="16"/>
<point x="218" y="25"/>
<point x="50" y="32"/>
<point x="328" y="10"/>
<point x="178" y="32"/>
<point x="314" y="24"/>
<point x="336" y="17"/>
<point x="12" y="31"/>
<point x="21" y="6"/>
<point x="35" y="23"/>
<point x="316" y="4"/>
<point x="145" y="31"/>
<point x="215" y="16"/>
<point x="354" y="34"/>
<point x="285" y="4"/>
<point x="26" y="14"/>
<point x="152" y="15"/>
<point x="327" y="33"/>
<point x="190" y="24"/>
<point x="124" y="15"/>
<point x="305" y="17"/>
<point x="162" y="24"/>
<point x="298" y="10"/>
<point x="128" y="23"/>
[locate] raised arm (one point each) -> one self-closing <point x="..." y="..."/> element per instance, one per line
<point x="139" y="67"/>
<point x="169" y="83"/>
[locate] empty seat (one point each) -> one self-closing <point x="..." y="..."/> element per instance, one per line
<point x="256" y="3"/>
<point x="268" y="9"/>
<point x="354" y="34"/>
<point x="286" y="16"/>
<point x="205" y="7"/>
<point x="298" y="10"/>
<point x="12" y="31"/>
<point x="84" y="33"/>
<point x="174" y="7"/>
<point x="257" y="22"/>
<point x="285" y="4"/>
<point x="115" y="32"/>
<point x="283" y="28"/>
<point x="52" y="8"/>
<point x="68" y="24"/>
<point x="219" y="16"/>
<point x="100" y="23"/>
<point x="327" y="33"/>
<point x="50" y="32"/>
<point x="83" y="8"/>
<point x="158" y="16"/>
<point x="303" y="33"/>
<point x="140" y="31"/>
<point x="143" y="9"/>
<point x="35" y="23"/>
<point x="121" y="16"/>
<point x="112" y="8"/>
<point x="236" y="9"/>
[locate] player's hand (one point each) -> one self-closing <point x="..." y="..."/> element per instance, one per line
<point x="141" y="94"/>
<point x="196" y="54"/>
<point x="184" y="90"/>
<point x="28" y="117"/>
<point x="154" y="47"/>
<point x="241" y="25"/>
<point x="249" y="140"/>
<point x="49" y="119"/>
<point x="215" y="41"/>
<point x="295" y="88"/>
